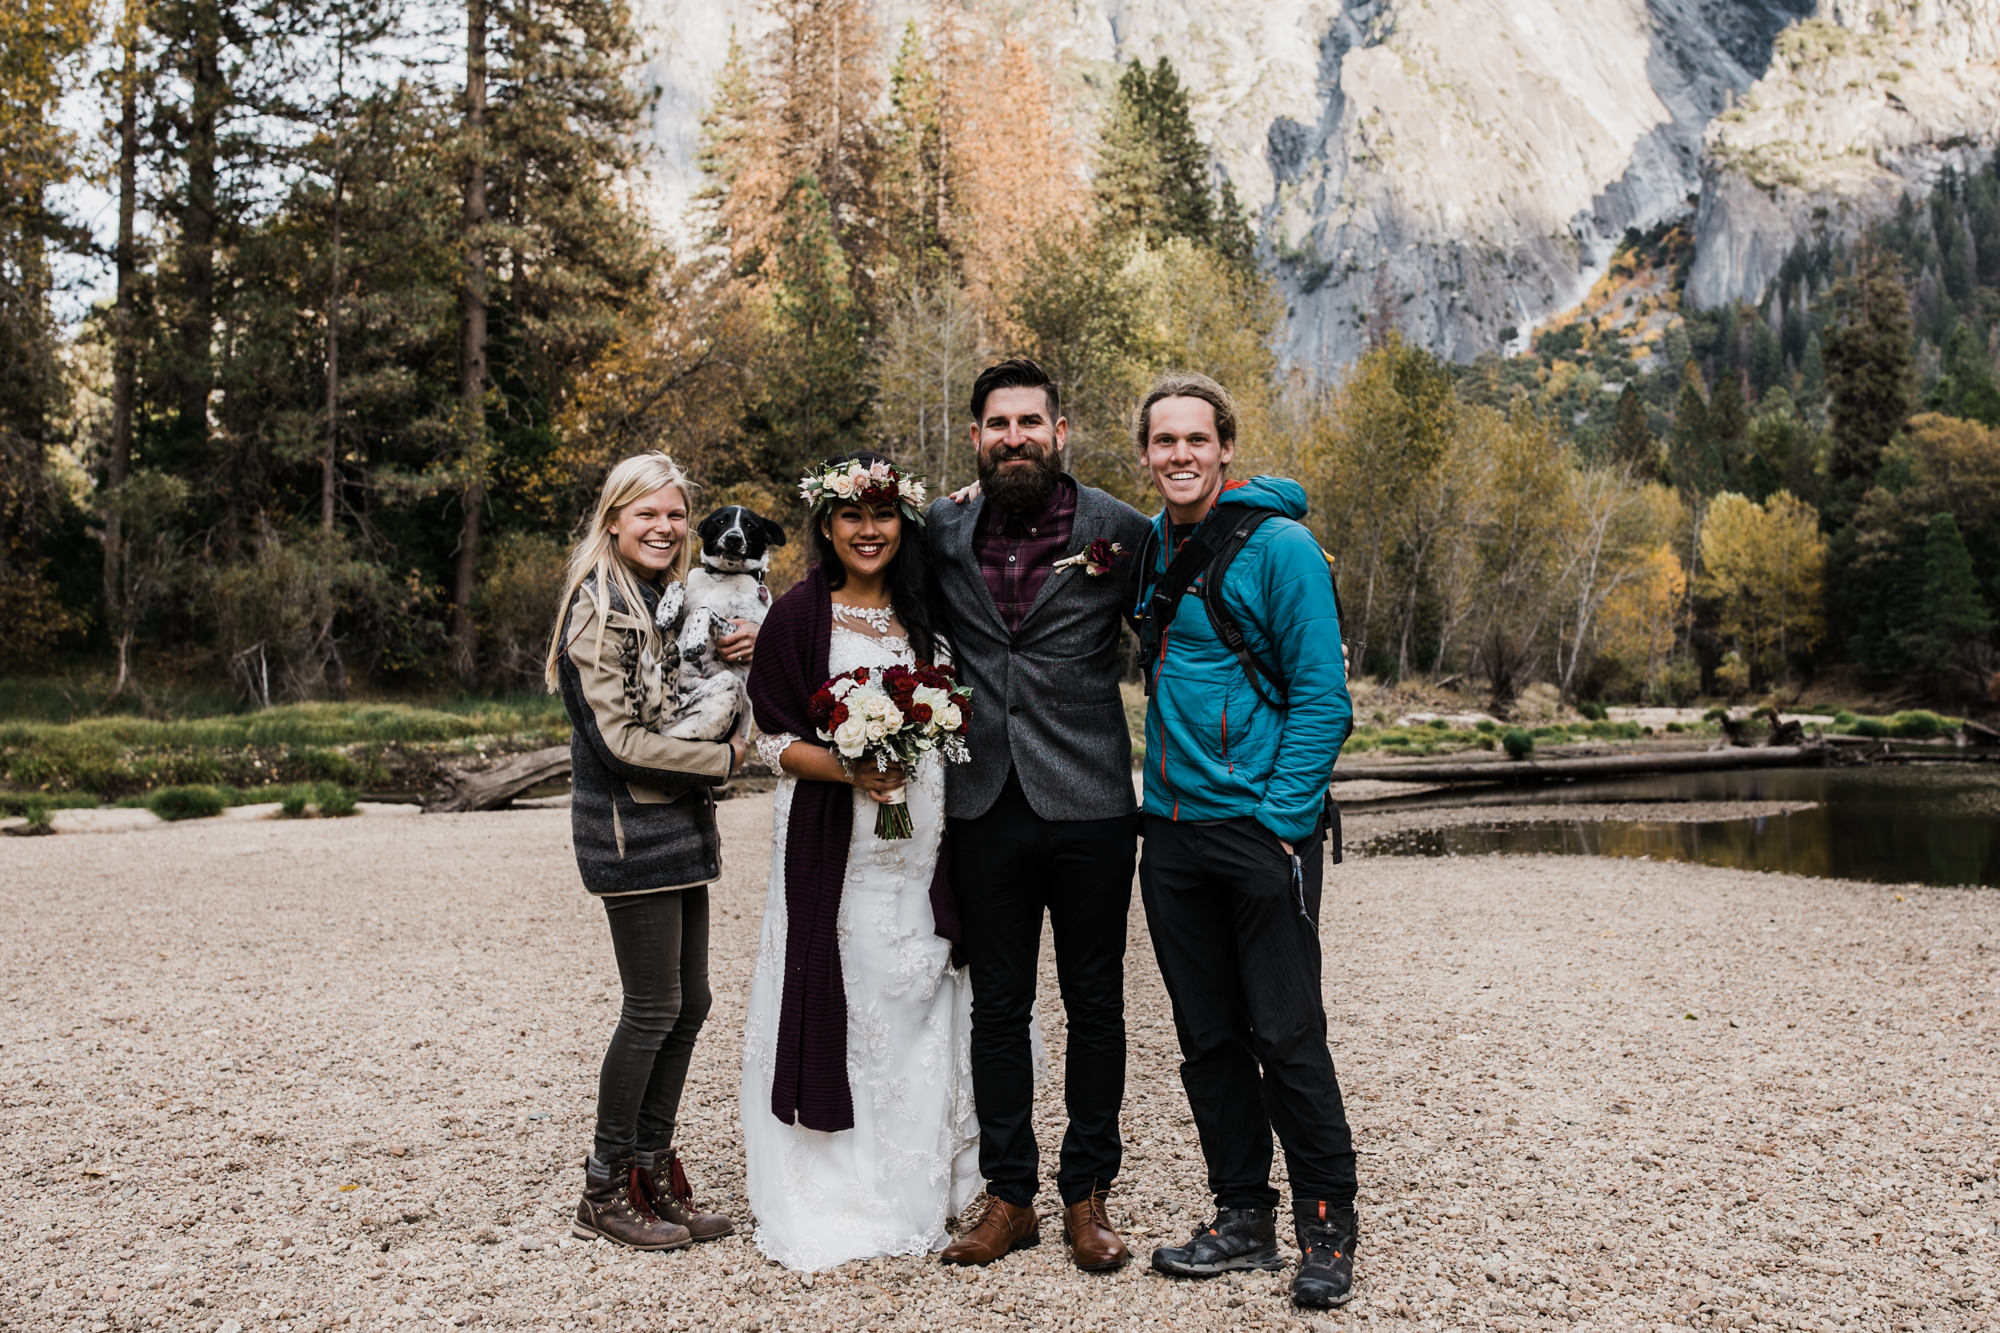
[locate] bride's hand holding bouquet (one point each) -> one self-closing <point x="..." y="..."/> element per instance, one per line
<point x="881" y="722"/>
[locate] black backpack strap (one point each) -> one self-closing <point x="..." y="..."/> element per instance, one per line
<point x="1223" y="623"/>
<point x="1187" y="564"/>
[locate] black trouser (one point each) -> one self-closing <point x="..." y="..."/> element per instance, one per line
<point x="1007" y="867"/>
<point x="1242" y="966"/>
<point x="661" y="940"/>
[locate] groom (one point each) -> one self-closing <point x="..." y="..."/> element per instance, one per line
<point x="1037" y="573"/>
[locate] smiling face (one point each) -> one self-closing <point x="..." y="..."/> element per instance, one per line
<point x="650" y="531"/>
<point x="865" y="537"/>
<point x="1019" y="448"/>
<point x="1185" y="457"/>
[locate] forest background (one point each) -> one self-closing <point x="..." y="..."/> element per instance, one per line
<point x="384" y="301"/>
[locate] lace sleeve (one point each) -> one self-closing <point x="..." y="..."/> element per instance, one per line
<point x="770" y="747"/>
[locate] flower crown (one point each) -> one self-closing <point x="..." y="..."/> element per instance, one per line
<point x="845" y="480"/>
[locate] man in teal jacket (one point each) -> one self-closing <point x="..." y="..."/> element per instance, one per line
<point x="1235" y="850"/>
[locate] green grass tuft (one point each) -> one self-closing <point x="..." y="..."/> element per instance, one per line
<point x="1519" y="744"/>
<point x="188" y="802"/>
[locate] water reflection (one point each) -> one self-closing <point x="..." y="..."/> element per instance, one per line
<point x="1933" y="825"/>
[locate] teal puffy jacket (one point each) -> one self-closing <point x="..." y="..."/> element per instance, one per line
<point x="1214" y="750"/>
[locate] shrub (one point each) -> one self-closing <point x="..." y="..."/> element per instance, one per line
<point x="1715" y="714"/>
<point x="1674" y="685"/>
<point x="329" y="800"/>
<point x="1592" y="710"/>
<point x="1844" y="718"/>
<point x="1440" y="723"/>
<point x="1675" y="727"/>
<point x="1917" y="725"/>
<point x="1518" y="743"/>
<point x="1487" y="725"/>
<point x="188" y="802"/>
<point x="1873" y="727"/>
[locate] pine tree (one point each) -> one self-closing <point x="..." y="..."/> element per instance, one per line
<point x="916" y="192"/>
<point x="42" y="41"/>
<point x="1952" y="615"/>
<point x="1868" y="380"/>
<point x="732" y="206"/>
<point x="816" y="397"/>
<point x="1152" y="172"/>
<point x="1632" y="442"/>
<point x="1690" y="445"/>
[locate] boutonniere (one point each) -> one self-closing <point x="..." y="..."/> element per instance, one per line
<point x="1096" y="558"/>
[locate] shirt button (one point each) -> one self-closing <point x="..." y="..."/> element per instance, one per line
<point x="1010" y="559"/>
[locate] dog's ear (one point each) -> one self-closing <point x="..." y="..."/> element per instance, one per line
<point x="774" y="531"/>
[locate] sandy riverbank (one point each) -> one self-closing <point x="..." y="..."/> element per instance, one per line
<point x="267" y="1075"/>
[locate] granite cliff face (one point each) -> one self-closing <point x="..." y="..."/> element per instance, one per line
<point x="1862" y="102"/>
<point x="1470" y="165"/>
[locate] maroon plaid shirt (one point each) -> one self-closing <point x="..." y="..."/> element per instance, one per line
<point x="1015" y="554"/>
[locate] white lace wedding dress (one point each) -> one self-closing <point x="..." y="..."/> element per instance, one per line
<point x="911" y="1161"/>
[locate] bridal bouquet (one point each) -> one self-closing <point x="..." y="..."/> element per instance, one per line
<point x="897" y="714"/>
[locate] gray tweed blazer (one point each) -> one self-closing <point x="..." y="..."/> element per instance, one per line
<point x="1045" y="700"/>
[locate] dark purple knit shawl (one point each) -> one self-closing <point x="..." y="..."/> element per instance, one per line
<point x="810" y="1085"/>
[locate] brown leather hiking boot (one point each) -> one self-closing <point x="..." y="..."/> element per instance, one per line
<point x="614" y="1207"/>
<point x="1093" y="1244"/>
<point x="1003" y="1229"/>
<point x="671" y="1198"/>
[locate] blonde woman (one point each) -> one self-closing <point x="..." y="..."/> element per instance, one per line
<point x="643" y="820"/>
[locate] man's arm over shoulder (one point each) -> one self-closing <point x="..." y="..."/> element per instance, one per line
<point x="1302" y="623"/>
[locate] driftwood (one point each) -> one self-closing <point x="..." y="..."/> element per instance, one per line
<point x="491" y="788"/>
<point x="1515" y="772"/>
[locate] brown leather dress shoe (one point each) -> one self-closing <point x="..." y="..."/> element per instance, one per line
<point x="1092" y="1243"/>
<point x="1003" y="1229"/>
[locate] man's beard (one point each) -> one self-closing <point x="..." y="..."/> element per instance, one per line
<point x="1019" y="491"/>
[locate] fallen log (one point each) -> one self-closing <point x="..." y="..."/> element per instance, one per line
<point x="491" y="788"/>
<point x="1520" y="771"/>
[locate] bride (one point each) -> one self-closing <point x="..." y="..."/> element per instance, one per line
<point x="858" y="1127"/>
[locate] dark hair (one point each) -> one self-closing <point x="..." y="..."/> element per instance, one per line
<point x="912" y="584"/>
<point x="1016" y="372"/>
<point x="1187" y="384"/>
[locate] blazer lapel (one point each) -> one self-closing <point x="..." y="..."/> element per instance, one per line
<point x="1087" y="527"/>
<point x="962" y="553"/>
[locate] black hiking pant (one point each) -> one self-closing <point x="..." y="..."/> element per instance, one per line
<point x="1236" y="935"/>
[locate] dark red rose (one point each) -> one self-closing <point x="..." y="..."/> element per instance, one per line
<point x="920" y="713"/>
<point x="1100" y="552"/>
<point x="839" y="716"/>
<point x="860" y="675"/>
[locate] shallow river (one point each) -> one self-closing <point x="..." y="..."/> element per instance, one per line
<point x="1928" y="824"/>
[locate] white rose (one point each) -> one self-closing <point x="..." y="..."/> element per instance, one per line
<point x="841" y="485"/>
<point x="913" y="491"/>
<point x="851" y="737"/>
<point x="948" y="717"/>
<point x="931" y="696"/>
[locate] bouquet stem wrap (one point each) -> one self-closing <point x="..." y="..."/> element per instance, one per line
<point x="892" y="816"/>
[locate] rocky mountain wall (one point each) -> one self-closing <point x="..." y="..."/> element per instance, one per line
<point x="1862" y="102"/>
<point x="1467" y="167"/>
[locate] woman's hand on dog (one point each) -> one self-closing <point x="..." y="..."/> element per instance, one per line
<point x="736" y="648"/>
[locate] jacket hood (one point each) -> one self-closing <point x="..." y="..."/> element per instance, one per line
<point x="1282" y="494"/>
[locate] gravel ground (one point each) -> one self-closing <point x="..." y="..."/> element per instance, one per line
<point x="338" y="1073"/>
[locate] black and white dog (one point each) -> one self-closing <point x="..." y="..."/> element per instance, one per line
<point x="727" y="587"/>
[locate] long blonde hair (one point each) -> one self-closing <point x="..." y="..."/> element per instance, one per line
<point x="596" y="553"/>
